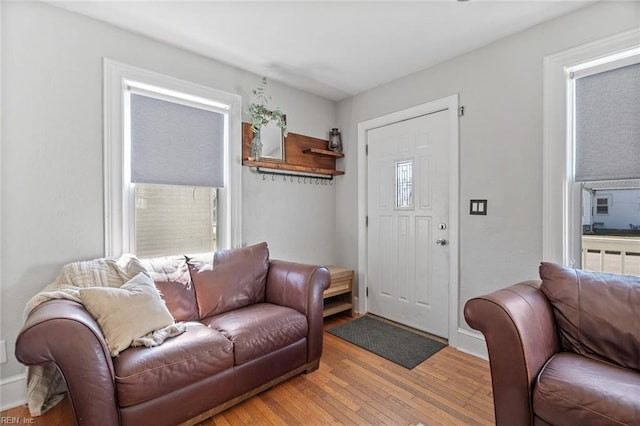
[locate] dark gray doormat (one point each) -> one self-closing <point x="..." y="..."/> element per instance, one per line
<point x="396" y="344"/>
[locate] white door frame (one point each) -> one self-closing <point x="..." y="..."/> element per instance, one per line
<point x="449" y="103"/>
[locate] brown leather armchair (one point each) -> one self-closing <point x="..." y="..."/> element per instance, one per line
<point x="564" y="350"/>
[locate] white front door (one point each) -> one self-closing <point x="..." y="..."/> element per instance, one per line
<point x="408" y="222"/>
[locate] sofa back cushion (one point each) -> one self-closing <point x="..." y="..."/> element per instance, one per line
<point x="597" y="314"/>
<point x="172" y="279"/>
<point x="236" y="278"/>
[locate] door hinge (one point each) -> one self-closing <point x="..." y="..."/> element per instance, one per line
<point x="366" y="149"/>
<point x="461" y="111"/>
<point x="366" y="291"/>
<point x="366" y="221"/>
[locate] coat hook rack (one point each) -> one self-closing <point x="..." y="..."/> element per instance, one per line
<point x="292" y="175"/>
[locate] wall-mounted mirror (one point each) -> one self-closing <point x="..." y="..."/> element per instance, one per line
<point x="272" y="143"/>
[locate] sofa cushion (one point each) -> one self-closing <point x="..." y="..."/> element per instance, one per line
<point x="573" y="390"/>
<point x="259" y="329"/>
<point x="172" y="278"/>
<point x="200" y="260"/>
<point x="128" y="312"/>
<point x="236" y="278"/>
<point x="146" y="373"/>
<point x="596" y="313"/>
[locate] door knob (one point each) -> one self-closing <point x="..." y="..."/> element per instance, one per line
<point x="442" y="242"/>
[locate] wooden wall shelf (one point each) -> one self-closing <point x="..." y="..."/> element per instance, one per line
<point x="303" y="154"/>
<point x="323" y="152"/>
<point x="291" y="167"/>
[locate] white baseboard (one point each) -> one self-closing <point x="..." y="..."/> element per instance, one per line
<point x="13" y="391"/>
<point x="356" y="306"/>
<point x="472" y="343"/>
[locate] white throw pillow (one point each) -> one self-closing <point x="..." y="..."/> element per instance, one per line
<point x="128" y="312"/>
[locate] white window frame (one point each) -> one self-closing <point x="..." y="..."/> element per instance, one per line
<point x="561" y="205"/>
<point x="119" y="202"/>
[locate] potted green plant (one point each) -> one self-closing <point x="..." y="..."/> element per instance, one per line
<point x="261" y="115"/>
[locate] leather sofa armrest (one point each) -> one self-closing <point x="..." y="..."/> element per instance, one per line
<point x="518" y="326"/>
<point x="301" y="287"/>
<point x="62" y="332"/>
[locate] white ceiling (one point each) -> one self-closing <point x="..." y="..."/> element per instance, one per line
<point x="330" y="48"/>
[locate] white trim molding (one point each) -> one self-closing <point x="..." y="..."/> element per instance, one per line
<point x="450" y="104"/>
<point x="13" y="391"/>
<point x="117" y="204"/>
<point x="559" y="232"/>
<point x="473" y="343"/>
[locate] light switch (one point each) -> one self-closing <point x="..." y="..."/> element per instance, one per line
<point x="478" y="207"/>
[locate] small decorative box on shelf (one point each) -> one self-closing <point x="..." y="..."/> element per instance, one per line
<point x="339" y="296"/>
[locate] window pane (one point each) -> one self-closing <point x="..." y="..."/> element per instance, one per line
<point x="611" y="227"/>
<point x="173" y="219"/>
<point x="602" y="207"/>
<point x="404" y="184"/>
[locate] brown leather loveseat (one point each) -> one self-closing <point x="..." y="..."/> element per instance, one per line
<point x="563" y="351"/>
<point x="250" y="324"/>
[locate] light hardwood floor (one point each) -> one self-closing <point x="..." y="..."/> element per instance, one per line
<point x="355" y="387"/>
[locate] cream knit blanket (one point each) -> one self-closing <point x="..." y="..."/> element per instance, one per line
<point x="45" y="385"/>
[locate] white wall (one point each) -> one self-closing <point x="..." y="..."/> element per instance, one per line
<point x="296" y="219"/>
<point x="500" y="87"/>
<point x="52" y="176"/>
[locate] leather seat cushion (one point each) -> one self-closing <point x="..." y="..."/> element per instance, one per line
<point x="146" y="373"/>
<point x="260" y="329"/>
<point x="573" y="389"/>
